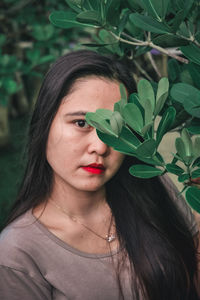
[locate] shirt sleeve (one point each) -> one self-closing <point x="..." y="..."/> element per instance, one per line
<point x="181" y="204"/>
<point x="17" y="285"/>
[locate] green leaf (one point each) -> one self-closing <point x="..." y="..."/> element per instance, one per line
<point x="169" y="40"/>
<point x="46" y="59"/>
<point x="196" y="173"/>
<point x="33" y="55"/>
<point x="65" y="19"/>
<point x="133" y="5"/>
<point x="116" y="122"/>
<point x="96" y="120"/>
<point x="162" y="94"/>
<point x="90" y="17"/>
<point x="123" y="22"/>
<point x="148" y="23"/>
<point x="174" y="169"/>
<point x="104" y="113"/>
<point x="75" y="4"/>
<point x="144" y="171"/>
<point x="133" y="116"/>
<point x="194" y="70"/>
<point x="10" y="85"/>
<point x="145" y="91"/>
<point x="196" y="146"/>
<point x="123" y="93"/>
<point x="183" y="177"/>
<point x="192" y="52"/>
<point x="118" y="106"/>
<point x="146" y="129"/>
<point x="165" y="123"/>
<point x="112" y="12"/>
<point x="196" y="163"/>
<point x="147" y="148"/>
<point x="187" y="142"/>
<point x="148" y="112"/>
<point x="43" y="32"/>
<point x="174" y="69"/>
<point x="112" y="42"/>
<point x="180" y="147"/>
<point x="193" y="198"/>
<point x="188" y="96"/>
<point x="127" y="142"/>
<point x="157" y="9"/>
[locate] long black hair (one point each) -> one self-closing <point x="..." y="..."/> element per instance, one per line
<point x="154" y="234"/>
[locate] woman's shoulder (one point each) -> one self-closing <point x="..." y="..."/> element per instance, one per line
<point x="17" y="240"/>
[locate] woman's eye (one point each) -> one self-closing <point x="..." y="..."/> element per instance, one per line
<point x="82" y="123"/>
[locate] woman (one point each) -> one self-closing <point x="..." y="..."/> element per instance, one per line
<point x="82" y="227"/>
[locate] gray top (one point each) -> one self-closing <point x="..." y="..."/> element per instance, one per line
<point x="36" y="265"/>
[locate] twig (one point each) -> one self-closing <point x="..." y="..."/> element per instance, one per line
<point x="142" y="70"/>
<point x="153" y="63"/>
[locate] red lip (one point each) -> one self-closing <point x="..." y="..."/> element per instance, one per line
<point x="94" y="168"/>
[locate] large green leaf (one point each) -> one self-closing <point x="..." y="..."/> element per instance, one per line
<point x="192" y="52"/>
<point x="169" y="40"/>
<point x="196" y="173"/>
<point x="147" y="148"/>
<point x="161" y="95"/>
<point x="194" y="70"/>
<point x="75" y="5"/>
<point x="144" y="171"/>
<point x="165" y="123"/>
<point x="133" y="5"/>
<point x="96" y="120"/>
<point x="112" y="43"/>
<point x="187" y="142"/>
<point x="148" y="23"/>
<point x="145" y="91"/>
<point x="188" y="96"/>
<point x="112" y="12"/>
<point x="196" y="146"/>
<point x="133" y="116"/>
<point x="157" y="9"/>
<point x="174" y="69"/>
<point x="196" y="163"/>
<point x="65" y="19"/>
<point x="180" y="147"/>
<point x="90" y="17"/>
<point x="193" y="198"/>
<point x="183" y="177"/>
<point x="174" y="169"/>
<point x="116" y="122"/>
<point x="127" y="143"/>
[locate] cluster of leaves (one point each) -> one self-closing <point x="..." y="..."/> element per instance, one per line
<point x="131" y="128"/>
<point x="28" y="44"/>
<point x="134" y="28"/>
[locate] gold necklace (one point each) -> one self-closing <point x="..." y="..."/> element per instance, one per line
<point x="110" y="237"/>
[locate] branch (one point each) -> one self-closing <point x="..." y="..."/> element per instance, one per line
<point x="152" y="45"/>
<point x="142" y="70"/>
<point x="153" y="63"/>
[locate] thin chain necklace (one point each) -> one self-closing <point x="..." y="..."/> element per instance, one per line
<point x="110" y="237"/>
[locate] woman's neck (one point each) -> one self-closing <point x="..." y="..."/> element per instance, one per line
<point x="78" y="203"/>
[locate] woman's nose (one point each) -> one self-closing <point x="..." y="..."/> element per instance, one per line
<point x="96" y="145"/>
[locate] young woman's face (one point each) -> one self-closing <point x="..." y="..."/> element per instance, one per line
<point x="73" y="146"/>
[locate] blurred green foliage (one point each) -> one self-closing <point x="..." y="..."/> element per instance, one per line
<point x="28" y="45"/>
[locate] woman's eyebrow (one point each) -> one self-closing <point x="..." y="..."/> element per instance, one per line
<point x="76" y="113"/>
